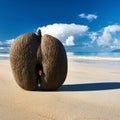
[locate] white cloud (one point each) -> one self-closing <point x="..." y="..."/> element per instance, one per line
<point x="64" y="31"/>
<point x="93" y="36"/>
<point x="112" y="29"/>
<point x="116" y="44"/>
<point x="106" y="39"/>
<point x="89" y="17"/>
<point x="9" y="42"/>
<point x="70" y="41"/>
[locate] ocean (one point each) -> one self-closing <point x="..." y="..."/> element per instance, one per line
<point x="98" y="54"/>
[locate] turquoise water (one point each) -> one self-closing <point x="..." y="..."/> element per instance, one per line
<point x="101" y="54"/>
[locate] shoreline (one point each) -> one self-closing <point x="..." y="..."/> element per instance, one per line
<point x="113" y="61"/>
<point x="4" y="56"/>
<point x="78" y="57"/>
<point x="105" y="60"/>
<point x="97" y="58"/>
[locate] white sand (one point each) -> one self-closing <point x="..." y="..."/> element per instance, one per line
<point x="91" y="92"/>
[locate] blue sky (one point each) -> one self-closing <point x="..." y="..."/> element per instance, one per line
<point x="81" y="24"/>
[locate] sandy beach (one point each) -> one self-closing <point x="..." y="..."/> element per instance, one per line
<point x="90" y="92"/>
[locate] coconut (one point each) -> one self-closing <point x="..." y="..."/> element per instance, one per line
<point x="23" y="59"/>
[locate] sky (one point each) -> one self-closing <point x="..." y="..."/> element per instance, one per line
<point x="81" y="25"/>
